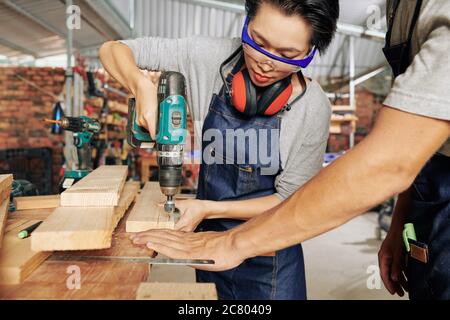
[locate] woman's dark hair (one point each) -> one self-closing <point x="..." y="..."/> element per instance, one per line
<point x="322" y="15"/>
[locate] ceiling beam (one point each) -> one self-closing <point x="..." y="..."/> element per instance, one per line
<point x="17" y="8"/>
<point x="106" y="10"/>
<point x="16" y="47"/>
<point x="358" y="31"/>
<point x="239" y="8"/>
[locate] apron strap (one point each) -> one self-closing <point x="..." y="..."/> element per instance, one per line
<point x="413" y="21"/>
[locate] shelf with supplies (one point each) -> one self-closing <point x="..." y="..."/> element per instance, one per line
<point x="343" y="116"/>
<point x="343" y="108"/>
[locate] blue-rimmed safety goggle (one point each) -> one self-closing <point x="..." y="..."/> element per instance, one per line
<point x="303" y="63"/>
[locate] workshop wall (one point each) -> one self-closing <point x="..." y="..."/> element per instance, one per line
<point x="23" y="108"/>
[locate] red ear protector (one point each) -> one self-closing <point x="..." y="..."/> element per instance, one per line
<point x="243" y="94"/>
<point x="271" y="101"/>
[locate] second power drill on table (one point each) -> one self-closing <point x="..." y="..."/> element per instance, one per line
<point x="170" y="133"/>
<point x="84" y="129"/>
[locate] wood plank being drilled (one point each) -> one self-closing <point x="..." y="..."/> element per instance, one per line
<point x="82" y="228"/>
<point x="17" y="260"/>
<point x="176" y="291"/>
<point x="101" y="188"/>
<point x="37" y="202"/>
<point x="148" y="212"/>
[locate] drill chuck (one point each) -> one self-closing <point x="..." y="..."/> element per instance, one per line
<point x="170" y="161"/>
<point x="80" y="124"/>
<point x="72" y="124"/>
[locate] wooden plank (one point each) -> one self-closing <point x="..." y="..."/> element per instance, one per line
<point x="5" y="190"/>
<point x="98" y="279"/>
<point x="176" y="291"/>
<point x="5" y="186"/>
<point x="4" y="208"/>
<point x="129" y="194"/>
<point x="36" y="214"/>
<point x="17" y="260"/>
<point x="100" y="188"/>
<point x="12" y="224"/>
<point x="148" y="212"/>
<point x="82" y="228"/>
<point x="37" y="202"/>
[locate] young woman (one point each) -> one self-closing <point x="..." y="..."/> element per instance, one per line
<point x="253" y="85"/>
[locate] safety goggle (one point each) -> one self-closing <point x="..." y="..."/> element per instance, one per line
<point x="278" y="63"/>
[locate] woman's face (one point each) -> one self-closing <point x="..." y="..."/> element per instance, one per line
<point x="285" y="36"/>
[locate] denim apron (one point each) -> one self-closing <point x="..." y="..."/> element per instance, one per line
<point x="430" y="201"/>
<point x="280" y="276"/>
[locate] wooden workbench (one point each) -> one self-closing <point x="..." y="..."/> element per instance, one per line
<point x="99" y="279"/>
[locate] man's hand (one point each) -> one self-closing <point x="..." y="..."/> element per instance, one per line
<point x="192" y="213"/>
<point x="217" y="246"/>
<point x="391" y="259"/>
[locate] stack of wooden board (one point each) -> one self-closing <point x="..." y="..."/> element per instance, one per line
<point x="37" y="202"/>
<point x="101" y="188"/>
<point x="5" y="190"/>
<point x="102" y="197"/>
<point x="17" y="260"/>
<point x="148" y="212"/>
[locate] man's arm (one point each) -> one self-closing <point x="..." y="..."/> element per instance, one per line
<point x="382" y="165"/>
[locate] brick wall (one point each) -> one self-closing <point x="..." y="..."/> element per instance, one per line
<point x="23" y="108"/>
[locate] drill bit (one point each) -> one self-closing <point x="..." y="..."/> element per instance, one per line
<point x="53" y="121"/>
<point x="169" y="206"/>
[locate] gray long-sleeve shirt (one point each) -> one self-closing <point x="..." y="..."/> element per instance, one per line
<point x="304" y="129"/>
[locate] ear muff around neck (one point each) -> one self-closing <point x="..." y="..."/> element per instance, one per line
<point x="275" y="97"/>
<point x="244" y="97"/>
<point x="272" y="100"/>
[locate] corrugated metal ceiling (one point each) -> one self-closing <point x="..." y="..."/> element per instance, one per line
<point x="37" y="27"/>
<point x="182" y="18"/>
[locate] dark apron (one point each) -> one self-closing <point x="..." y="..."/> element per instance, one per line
<point x="430" y="200"/>
<point x="281" y="276"/>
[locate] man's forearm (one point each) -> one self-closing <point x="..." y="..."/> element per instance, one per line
<point x="242" y="209"/>
<point x="383" y="165"/>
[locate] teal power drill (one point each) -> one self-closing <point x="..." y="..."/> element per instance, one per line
<point x="170" y="133"/>
<point x="84" y="129"/>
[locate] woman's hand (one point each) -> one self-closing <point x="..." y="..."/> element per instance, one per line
<point x="192" y="212"/>
<point x="147" y="101"/>
<point x="391" y="259"/>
